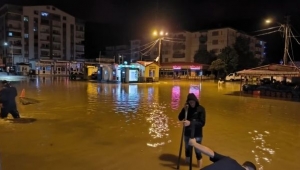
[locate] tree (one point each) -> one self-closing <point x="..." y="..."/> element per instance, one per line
<point x="245" y="55"/>
<point x="217" y="65"/>
<point x="230" y="58"/>
<point x="204" y="57"/>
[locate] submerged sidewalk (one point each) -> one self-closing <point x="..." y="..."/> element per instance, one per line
<point x="11" y="77"/>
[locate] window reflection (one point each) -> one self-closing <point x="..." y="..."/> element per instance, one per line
<point x="159" y="128"/>
<point x="127" y="98"/>
<point x="175" y="97"/>
<point x="196" y="90"/>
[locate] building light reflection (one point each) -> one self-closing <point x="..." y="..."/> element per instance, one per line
<point x="175" y="97"/>
<point x="159" y="127"/>
<point x="262" y="151"/>
<point x="196" y="89"/>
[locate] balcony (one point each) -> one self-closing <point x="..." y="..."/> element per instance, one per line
<point x="56" y="32"/>
<point x="178" y="55"/>
<point x="13" y="17"/>
<point x="80" y="30"/>
<point x="14" y="52"/>
<point x="45" y="22"/>
<point x="45" y="54"/>
<point x="56" y="24"/>
<point x="56" y="49"/>
<point x="79" y="36"/>
<point x="56" y="56"/>
<point x="45" y="31"/>
<point x="56" y="40"/>
<point x="45" y="47"/>
<point x="11" y="27"/>
<point x="79" y="56"/>
<point x="44" y="39"/>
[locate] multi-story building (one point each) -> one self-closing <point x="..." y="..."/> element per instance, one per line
<point x="182" y="46"/>
<point x="120" y="53"/>
<point x="34" y="33"/>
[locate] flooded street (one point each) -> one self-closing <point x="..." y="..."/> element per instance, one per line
<point x="97" y="126"/>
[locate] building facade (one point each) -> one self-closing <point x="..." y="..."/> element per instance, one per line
<point x="182" y="46"/>
<point x="32" y="33"/>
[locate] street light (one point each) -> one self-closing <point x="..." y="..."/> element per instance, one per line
<point x="286" y="29"/>
<point x="12" y="52"/>
<point x="160" y="38"/>
<point x="120" y="56"/>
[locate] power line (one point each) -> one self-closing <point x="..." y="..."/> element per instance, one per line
<point x="267" y="29"/>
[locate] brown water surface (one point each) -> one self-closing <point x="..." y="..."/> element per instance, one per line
<point x="94" y="126"/>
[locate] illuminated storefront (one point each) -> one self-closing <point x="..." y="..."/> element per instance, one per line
<point x="182" y="69"/>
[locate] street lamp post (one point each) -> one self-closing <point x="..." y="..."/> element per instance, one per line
<point x="286" y="41"/>
<point x="121" y="58"/>
<point x="286" y="30"/>
<point x="161" y="37"/>
<point x="12" y="52"/>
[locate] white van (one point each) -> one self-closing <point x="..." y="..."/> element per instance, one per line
<point x="233" y="77"/>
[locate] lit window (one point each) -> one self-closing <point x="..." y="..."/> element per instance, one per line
<point x="26" y="19"/>
<point x="44" y="14"/>
<point x="10" y="34"/>
<point x="25" y="35"/>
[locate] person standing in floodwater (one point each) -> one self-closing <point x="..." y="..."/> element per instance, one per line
<point x="8" y="96"/>
<point x="195" y="113"/>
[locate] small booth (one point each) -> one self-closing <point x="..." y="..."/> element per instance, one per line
<point x="22" y="68"/>
<point x="148" y="71"/>
<point x="128" y="73"/>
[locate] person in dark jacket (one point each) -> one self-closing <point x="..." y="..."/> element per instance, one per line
<point x="195" y="113"/>
<point x="221" y="161"/>
<point x="7" y="98"/>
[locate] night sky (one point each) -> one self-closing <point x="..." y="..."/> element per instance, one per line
<point x="114" y="22"/>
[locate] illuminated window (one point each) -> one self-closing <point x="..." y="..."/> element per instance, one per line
<point x="25" y="35"/>
<point x="10" y="34"/>
<point x="26" y="19"/>
<point x="44" y="14"/>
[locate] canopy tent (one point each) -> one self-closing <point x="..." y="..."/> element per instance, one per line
<point x="271" y="70"/>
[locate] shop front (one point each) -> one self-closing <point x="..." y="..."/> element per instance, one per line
<point x="44" y="67"/>
<point x="61" y="67"/>
<point x="182" y="70"/>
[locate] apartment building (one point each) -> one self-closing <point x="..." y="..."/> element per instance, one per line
<point x="36" y="33"/>
<point x="182" y="46"/>
<point x="120" y="53"/>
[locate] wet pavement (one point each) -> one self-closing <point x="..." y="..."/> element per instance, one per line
<point x="87" y="125"/>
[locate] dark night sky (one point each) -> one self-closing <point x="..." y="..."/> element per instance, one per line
<point x="112" y="22"/>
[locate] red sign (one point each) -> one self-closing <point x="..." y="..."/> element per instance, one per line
<point x="176" y="67"/>
<point x="195" y="67"/>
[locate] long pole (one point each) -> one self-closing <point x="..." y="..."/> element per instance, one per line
<point x="182" y="136"/>
<point x="286" y="44"/>
<point x="99" y="57"/>
<point x="159" y="51"/>
<point x="12" y="55"/>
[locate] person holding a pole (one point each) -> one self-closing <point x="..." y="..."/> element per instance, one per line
<point x="195" y="114"/>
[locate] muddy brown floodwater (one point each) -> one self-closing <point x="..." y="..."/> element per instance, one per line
<point x="93" y="126"/>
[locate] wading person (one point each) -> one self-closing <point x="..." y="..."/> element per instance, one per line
<point x="195" y="113"/>
<point x="8" y="96"/>
<point x="220" y="162"/>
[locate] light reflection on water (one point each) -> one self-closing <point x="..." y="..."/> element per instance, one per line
<point x="263" y="150"/>
<point x="135" y="117"/>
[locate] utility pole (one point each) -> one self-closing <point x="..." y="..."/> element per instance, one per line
<point x="99" y="57"/>
<point x="159" y="51"/>
<point x="286" y="41"/>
